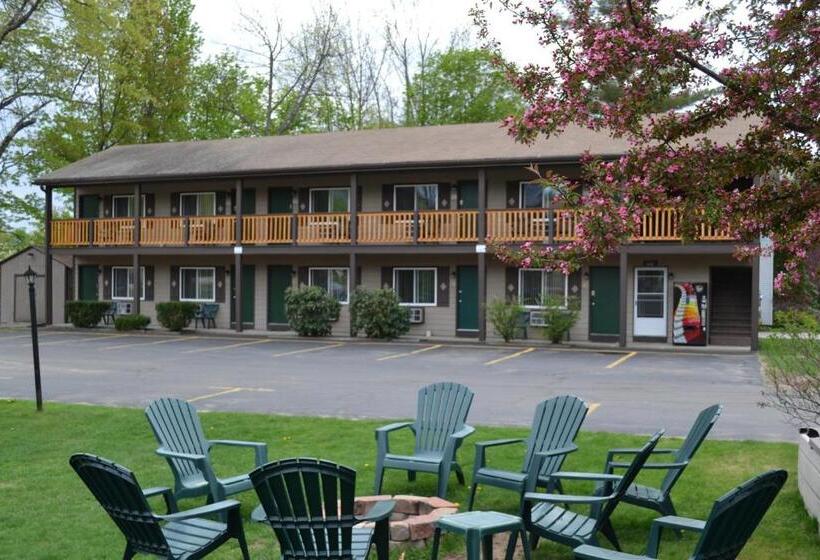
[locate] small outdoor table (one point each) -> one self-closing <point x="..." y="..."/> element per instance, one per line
<point x="478" y="528"/>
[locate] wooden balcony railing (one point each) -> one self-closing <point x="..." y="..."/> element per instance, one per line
<point x="323" y="228"/>
<point x="70" y="233"/>
<point x="384" y="228"/>
<point x="264" y="230"/>
<point x="114" y="232"/>
<point x="162" y="232"/>
<point x="211" y="230"/>
<point x="448" y="226"/>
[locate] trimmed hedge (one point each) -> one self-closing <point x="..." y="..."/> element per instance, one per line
<point x="378" y="314"/>
<point x="176" y="315"/>
<point x="131" y="322"/>
<point x="311" y="311"/>
<point x="505" y="317"/>
<point x="86" y="313"/>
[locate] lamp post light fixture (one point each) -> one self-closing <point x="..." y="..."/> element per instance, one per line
<point x="31" y="278"/>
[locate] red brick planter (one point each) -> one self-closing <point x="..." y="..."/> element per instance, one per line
<point x="412" y="519"/>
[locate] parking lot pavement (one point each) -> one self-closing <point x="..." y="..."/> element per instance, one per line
<point x="635" y="392"/>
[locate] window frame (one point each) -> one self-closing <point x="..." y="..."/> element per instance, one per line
<point x="311" y="190"/>
<point x="543" y="285"/>
<point x="130" y="197"/>
<point x="416" y="270"/>
<point x="197" y="299"/>
<point x="329" y="269"/>
<point x="127" y="297"/>
<point x="415" y="187"/>
<point x="198" y="205"/>
<point x="521" y="186"/>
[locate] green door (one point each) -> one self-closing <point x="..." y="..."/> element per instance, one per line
<point x="467" y="306"/>
<point x="604" y="300"/>
<point x="279" y="201"/>
<point x="248" y="287"/>
<point x="279" y="280"/>
<point x="89" y="206"/>
<point x="249" y="201"/>
<point x="87" y="283"/>
<point x="468" y="196"/>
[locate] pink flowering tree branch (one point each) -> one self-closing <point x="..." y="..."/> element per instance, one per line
<point x="762" y="56"/>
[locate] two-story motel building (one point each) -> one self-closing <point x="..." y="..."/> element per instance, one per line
<point x="238" y="221"/>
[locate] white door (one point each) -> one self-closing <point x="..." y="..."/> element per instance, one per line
<point x="650" y="302"/>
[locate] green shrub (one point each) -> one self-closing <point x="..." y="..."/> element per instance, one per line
<point x="505" y="317"/>
<point x="86" y="313"/>
<point x="131" y="322"/>
<point x="311" y="311"/>
<point x="559" y="319"/>
<point x="176" y="315"/>
<point x="799" y="319"/>
<point x="378" y="314"/>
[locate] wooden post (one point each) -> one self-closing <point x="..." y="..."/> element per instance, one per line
<point x="135" y="264"/>
<point x="294" y="219"/>
<point x="482" y="297"/>
<point x="755" y="311"/>
<point x="353" y="266"/>
<point x="186" y="230"/>
<point x="354" y="208"/>
<point x="622" y="287"/>
<point x="237" y="267"/>
<point x="135" y="307"/>
<point x="49" y="268"/>
<point x="481" y="224"/>
<point x="415" y="226"/>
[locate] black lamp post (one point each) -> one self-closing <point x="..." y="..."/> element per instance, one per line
<point x="31" y="278"/>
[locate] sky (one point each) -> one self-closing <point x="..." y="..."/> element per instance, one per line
<point x="219" y="20"/>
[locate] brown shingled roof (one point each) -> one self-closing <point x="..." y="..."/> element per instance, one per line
<point x="362" y="150"/>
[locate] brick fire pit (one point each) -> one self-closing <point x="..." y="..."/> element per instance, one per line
<point x="413" y="517"/>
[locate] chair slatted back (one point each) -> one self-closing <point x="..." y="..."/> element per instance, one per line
<point x="697" y="434"/>
<point x="442" y="411"/>
<point x="736" y="515"/>
<point x="177" y="427"/>
<point x="309" y="505"/>
<point x="118" y="492"/>
<point x="628" y="478"/>
<point x="555" y="424"/>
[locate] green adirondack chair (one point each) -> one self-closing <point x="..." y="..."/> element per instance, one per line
<point x="176" y="535"/>
<point x="554" y="426"/>
<point x="544" y="518"/>
<point x="440" y="428"/>
<point x="309" y="505"/>
<point x="659" y="499"/>
<point x="182" y="443"/>
<point x="733" y="519"/>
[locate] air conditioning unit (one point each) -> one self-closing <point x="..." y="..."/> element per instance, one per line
<point x="537" y="319"/>
<point x="416" y="315"/>
<point x="123" y="308"/>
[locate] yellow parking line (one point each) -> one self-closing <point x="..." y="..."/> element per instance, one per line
<point x="173" y="339"/>
<point x="509" y="357"/>
<point x="621" y="360"/>
<point x="237" y="345"/>
<point x="218" y="394"/>
<point x="403" y="354"/>
<point x="93" y="338"/>
<point x="303" y="350"/>
<point x="593" y="406"/>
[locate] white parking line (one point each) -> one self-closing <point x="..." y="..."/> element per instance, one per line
<point x="413" y="353"/>
<point x="304" y="350"/>
<point x="225" y="347"/>
<point x="593" y="406"/>
<point x="174" y="339"/>
<point x="218" y="394"/>
<point x="93" y="338"/>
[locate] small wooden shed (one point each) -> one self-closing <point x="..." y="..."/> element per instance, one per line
<point x="14" y="302"/>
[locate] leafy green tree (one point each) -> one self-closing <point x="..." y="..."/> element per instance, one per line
<point x="463" y="86"/>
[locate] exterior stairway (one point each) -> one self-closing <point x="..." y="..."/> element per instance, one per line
<point x="730" y="294"/>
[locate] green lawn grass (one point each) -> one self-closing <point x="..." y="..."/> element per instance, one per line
<point x="791" y="355"/>
<point x="48" y="513"/>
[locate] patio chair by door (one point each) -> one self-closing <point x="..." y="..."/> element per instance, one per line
<point x="733" y="519"/>
<point x="544" y="518"/>
<point x="659" y="499"/>
<point x="554" y="426"/>
<point x="309" y="505"/>
<point x="439" y="430"/>
<point x="177" y="535"/>
<point x="182" y="442"/>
